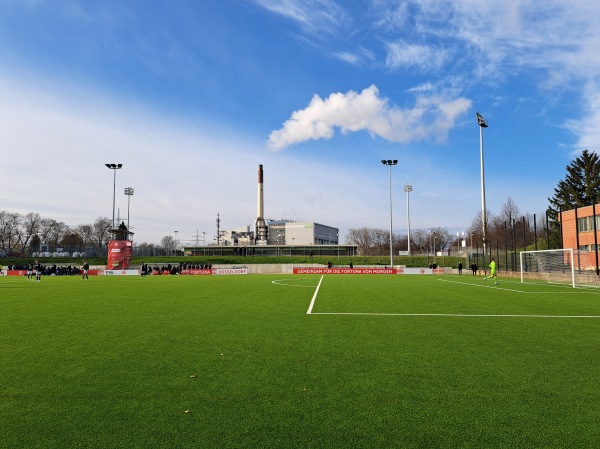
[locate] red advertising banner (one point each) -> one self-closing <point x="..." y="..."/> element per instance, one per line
<point x="119" y="254"/>
<point x="345" y="271"/>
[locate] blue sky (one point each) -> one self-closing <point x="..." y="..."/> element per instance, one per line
<point x="190" y="96"/>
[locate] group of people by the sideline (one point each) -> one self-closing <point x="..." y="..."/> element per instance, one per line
<point x="195" y="266"/>
<point x="38" y="270"/>
<point x="146" y="269"/>
<point x="35" y="270"/>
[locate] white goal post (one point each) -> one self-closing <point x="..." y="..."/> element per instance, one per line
<point x="551" y="265"/>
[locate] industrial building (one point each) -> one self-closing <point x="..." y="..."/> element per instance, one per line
<point x="276" y="236"/>
<point x="288" y="232"/>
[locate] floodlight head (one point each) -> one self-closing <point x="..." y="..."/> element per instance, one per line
<point x="481" y="121"/>
<point x="395" y="161"/>
<point x="384" y="162"/>
<point x="128" y="190"/>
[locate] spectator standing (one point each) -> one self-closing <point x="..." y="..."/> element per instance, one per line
<point x="474" y="268"/>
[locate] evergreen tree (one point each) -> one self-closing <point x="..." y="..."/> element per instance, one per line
<point x="581" y="186"/>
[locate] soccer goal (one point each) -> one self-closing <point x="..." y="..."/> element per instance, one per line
<point x="552" y="265"/>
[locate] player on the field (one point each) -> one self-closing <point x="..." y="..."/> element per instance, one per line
<point x="38" y="270"/>
<point x="492" y="271"/>
<point x="86" y="268"/>
<point x="29" y="270"/>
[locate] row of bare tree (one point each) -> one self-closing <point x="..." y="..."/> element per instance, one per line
<point x="510" y="228"/>
<point x="24" y="234"/>
<point x="374" y="242"/>
<point x="513" y="229"/>
<point x="29" y="233"/>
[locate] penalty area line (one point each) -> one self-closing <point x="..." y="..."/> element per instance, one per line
<point x="312" y="303"/>
<point x="495" y="287"/>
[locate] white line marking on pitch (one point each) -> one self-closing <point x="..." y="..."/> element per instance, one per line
<point x="312" y="303"/>
<point x="458" y="315"/>
<point x="281" y="282"/>
<point x="510" y="289"/>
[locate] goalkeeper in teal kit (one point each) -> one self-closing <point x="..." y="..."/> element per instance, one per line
<point x="492" y="271"/>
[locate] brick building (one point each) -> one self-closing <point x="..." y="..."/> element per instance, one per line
<point x="578" y="232"/>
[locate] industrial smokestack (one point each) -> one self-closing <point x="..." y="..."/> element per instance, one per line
<point x="260" y="211"/>
<point x="261" y="230"/>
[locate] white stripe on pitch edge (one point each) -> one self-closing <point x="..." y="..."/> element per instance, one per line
<point x="312" y="303"/>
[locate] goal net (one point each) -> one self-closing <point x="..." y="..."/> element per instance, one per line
<point x="563" y="266"/>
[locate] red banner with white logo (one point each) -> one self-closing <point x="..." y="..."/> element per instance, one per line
<point x="119" y="254"/>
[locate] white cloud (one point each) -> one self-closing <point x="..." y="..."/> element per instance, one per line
<point x="403" y="54"/>
<point x="553" y="43"/>
<point x="391" y="15"/>
<point x="355" y="57"/>
<point x="554" y="35"/>
<point x="424" y="87"/>
<point x="366" y="111"/>
<point x="586" y="127"/>
<point x="349" y="57"/>
<point x="313" y="16"/>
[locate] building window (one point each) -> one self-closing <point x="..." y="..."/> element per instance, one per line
<point x="588" y="248"/>
<point x="585" y="224"/>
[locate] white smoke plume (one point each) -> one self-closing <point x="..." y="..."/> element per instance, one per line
<point x="431" y="117"/>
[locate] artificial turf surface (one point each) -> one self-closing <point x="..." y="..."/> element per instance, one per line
<point x="236" y="362"/>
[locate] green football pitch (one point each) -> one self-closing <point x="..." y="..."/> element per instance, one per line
<point x="297" y="361"/>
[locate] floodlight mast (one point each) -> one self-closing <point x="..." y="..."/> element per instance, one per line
<point x="129" y="193"/>
<point x="389" y="163"/>
<point x="114" y="168"/>
<point x="408" y="188"/>
<point x="482" y="124"/>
